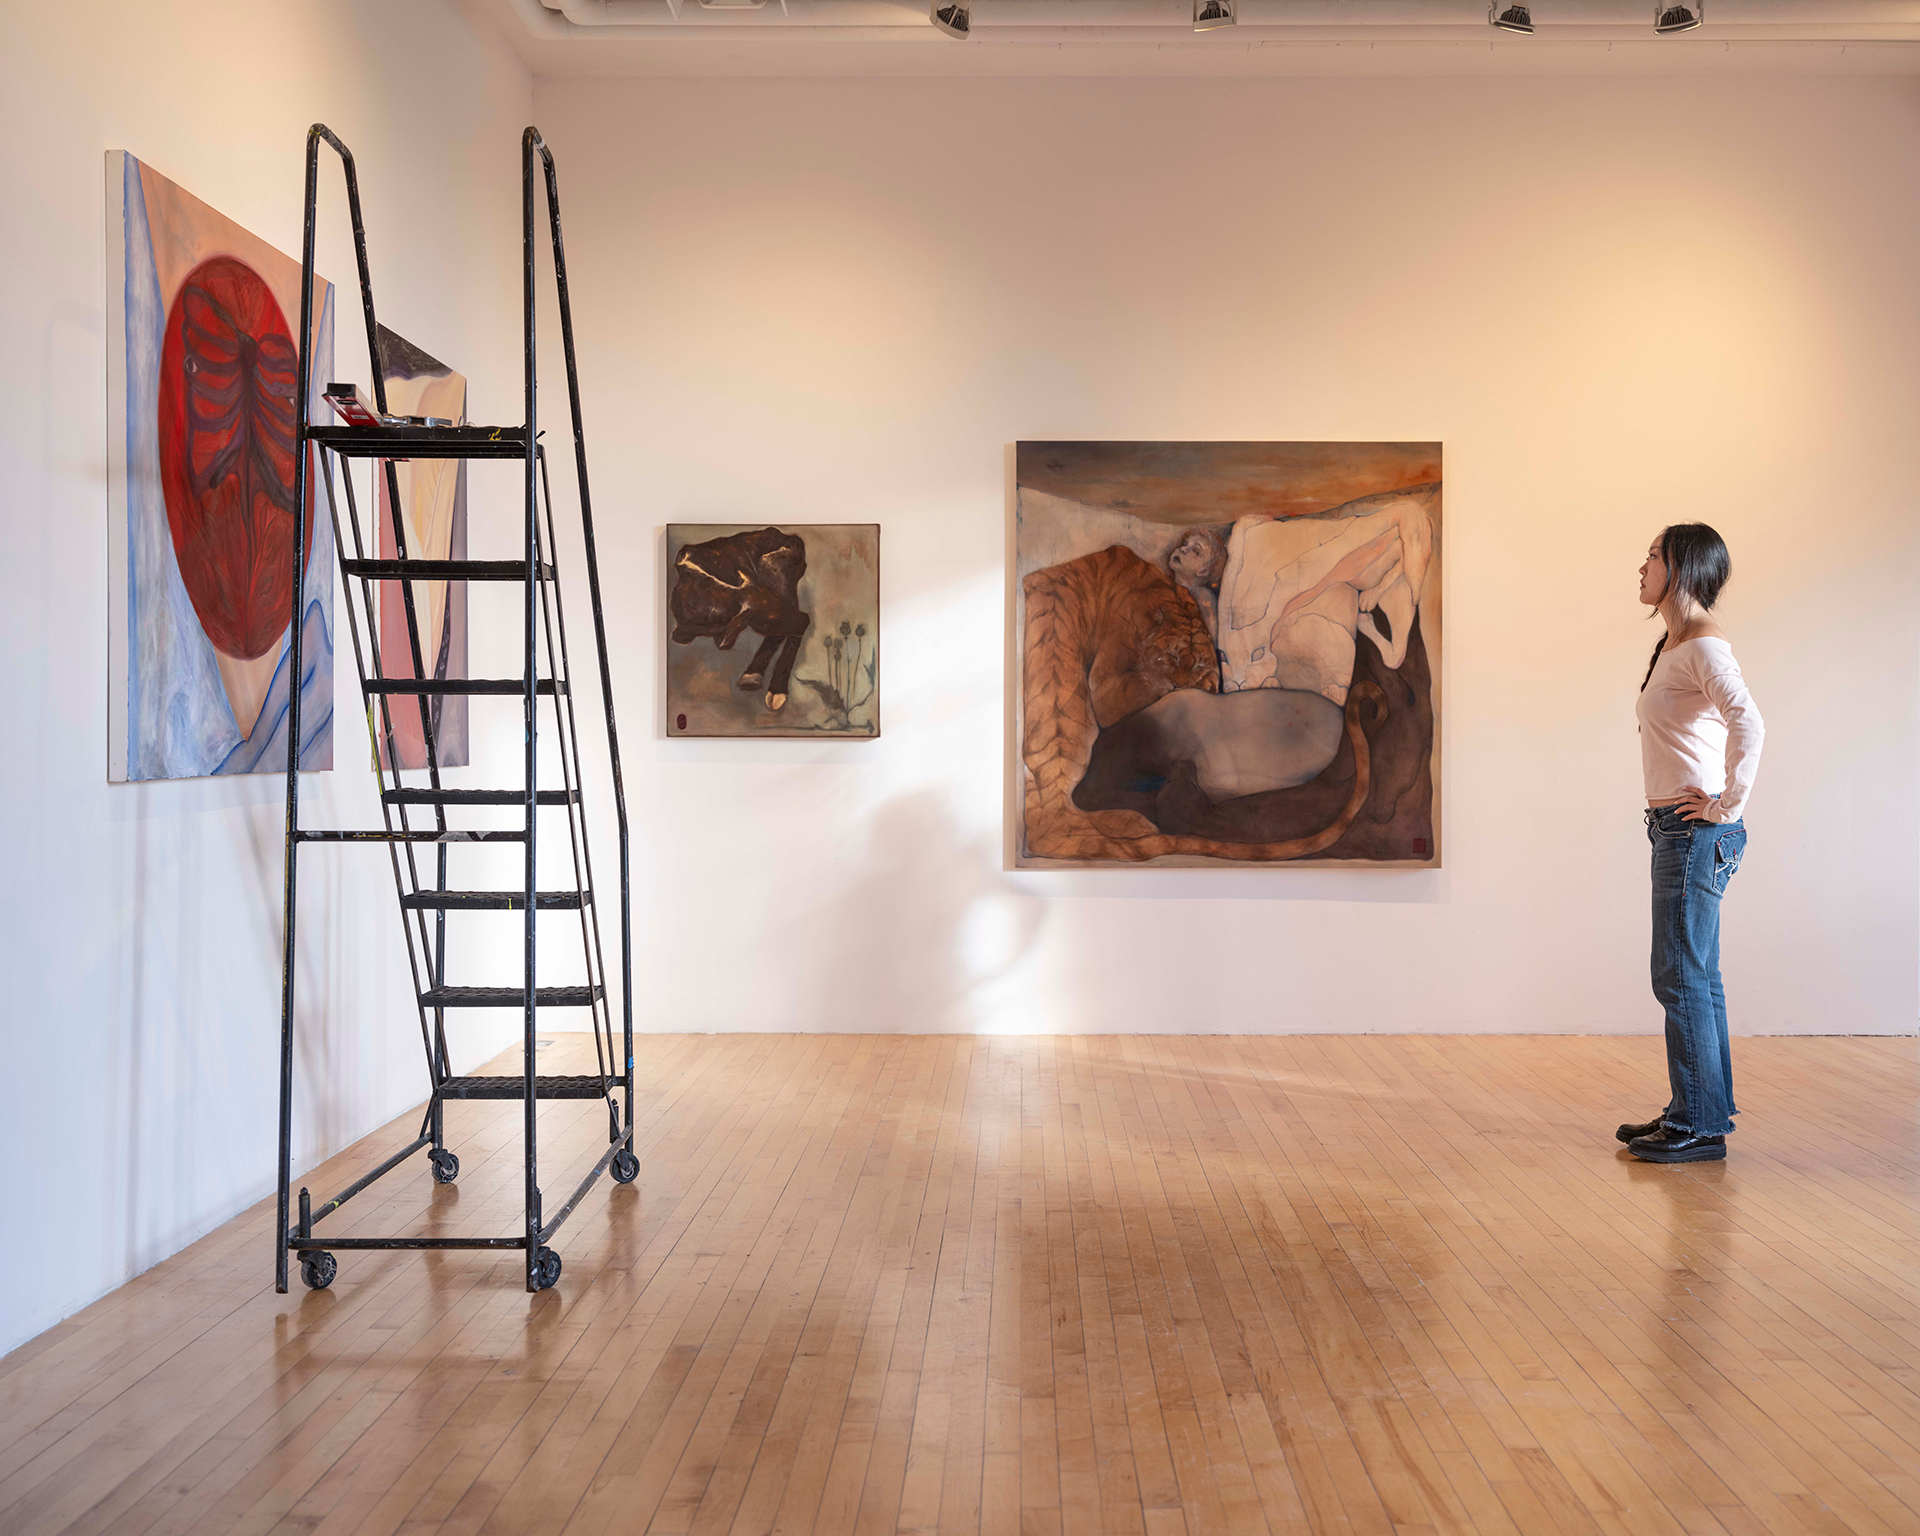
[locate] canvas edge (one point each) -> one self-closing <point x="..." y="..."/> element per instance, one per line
<point x="119" y="594"/>
<point x="1014" y="856"/>
<point x="326" y="323"/>
<point x="1013" y="822"/>
<point x="667" y="731"/>
<point x="1436" y="670"/>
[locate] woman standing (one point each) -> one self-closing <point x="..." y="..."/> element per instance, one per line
<point x="1700" y="737"/>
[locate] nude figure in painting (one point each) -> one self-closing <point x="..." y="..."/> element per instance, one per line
<point x="1298" y="590"/>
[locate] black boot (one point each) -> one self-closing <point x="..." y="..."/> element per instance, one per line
<point x="1678" y="1147"/>
<point x="1634" y="1132"/>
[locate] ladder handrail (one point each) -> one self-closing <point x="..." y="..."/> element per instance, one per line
<point x="303" y="488"/>
<point x="532" y="141"/>
<point x="531" y="706"/>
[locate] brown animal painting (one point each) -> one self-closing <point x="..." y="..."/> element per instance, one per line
<point x="745" y="581"/>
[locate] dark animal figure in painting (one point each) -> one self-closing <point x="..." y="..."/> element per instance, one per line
<point x="745" y="581"/>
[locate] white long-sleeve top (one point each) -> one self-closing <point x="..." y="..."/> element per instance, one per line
<point x="1700" y="727"/>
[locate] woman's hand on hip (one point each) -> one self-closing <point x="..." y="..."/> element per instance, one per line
<point x="1693" y="803"/>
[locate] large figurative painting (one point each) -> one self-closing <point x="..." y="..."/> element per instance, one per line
<point x="1229" y="653"/>
<point x="202" y="369"/>
<point x="433" y="502"/>
<point x="773" y="631"/>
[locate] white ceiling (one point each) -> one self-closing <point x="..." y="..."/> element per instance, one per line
<point x="559" y="38"/>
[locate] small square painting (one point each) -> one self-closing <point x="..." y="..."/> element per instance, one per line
<point x="1229" y="653"/>
<point x="773" y="631"/>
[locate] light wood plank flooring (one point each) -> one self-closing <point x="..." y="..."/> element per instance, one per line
<point x="864" y="1284"/>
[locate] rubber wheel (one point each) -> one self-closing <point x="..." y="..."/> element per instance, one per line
<point x="625" y="1167"/>
<point x="546" y="1269"/>
<point x="317" y="1268"/>
<point x="446" y="1166"/>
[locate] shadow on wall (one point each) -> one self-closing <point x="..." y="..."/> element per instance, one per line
<point x="921" y="936"/>
<point x="192" y="1069"/>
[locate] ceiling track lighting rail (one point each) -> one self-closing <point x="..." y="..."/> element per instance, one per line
<point x="1237" y="25"/>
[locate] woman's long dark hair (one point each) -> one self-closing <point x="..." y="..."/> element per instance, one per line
<point x="1698" y="566"/>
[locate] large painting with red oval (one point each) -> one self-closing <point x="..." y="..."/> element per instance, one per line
<point x="206" y="372"/>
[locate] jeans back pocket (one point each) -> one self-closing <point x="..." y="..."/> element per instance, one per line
<point x="1727" y="853"/>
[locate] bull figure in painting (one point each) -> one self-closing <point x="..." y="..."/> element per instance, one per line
<point x="745" y="581"/>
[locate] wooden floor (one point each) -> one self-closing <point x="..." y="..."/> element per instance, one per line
<point x="868" y="1284"/>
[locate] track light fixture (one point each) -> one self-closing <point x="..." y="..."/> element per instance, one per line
<point x="1208" y="14"/>
<point x="1677" y="18"/>
<point x="1511" y="18"/>
<point x="953" y="17"/>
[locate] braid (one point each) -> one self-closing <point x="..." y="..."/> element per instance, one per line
<point x="1658" y="646"/>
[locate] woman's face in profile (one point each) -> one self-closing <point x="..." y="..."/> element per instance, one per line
<point x="1653" y="576"/>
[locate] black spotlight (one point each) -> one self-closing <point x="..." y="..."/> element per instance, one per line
<point x="1511" y="18"/>
<point x="1208" y="14"/>
<point x="952" y="18"/>
<point x="1677" y="18"/>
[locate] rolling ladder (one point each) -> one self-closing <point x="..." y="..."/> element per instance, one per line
<point x="415" y="816"/>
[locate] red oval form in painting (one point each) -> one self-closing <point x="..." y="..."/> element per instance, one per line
<point x="228" y="374"/>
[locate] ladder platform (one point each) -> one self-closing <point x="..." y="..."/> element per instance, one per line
<point x="377" y="836"/>
<point x="443" y="570"/>
<point x="494" y="901"/>
<point x="477" y="796"/>
<point x="516" y="1088"/>
<point x="546" y="687"/>
<point x="423" y="442"/>
<point x="509" y="997"/>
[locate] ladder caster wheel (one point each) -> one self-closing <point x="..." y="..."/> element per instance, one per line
<point x="546" y="1269"/>
<point x="317" y="1268"/>
<point x="446" y="1166"/>
<point x="625" y="1167"/>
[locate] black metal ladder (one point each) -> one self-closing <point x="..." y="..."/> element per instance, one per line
<point x="426" y="899"/>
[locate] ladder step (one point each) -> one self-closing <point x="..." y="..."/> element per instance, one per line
<point x="545" y="686"/>
<point x="423" y="442"/>
<point x="330" y="836"/>
<point x="443" y="570"/>
<point x="516" y="1088"/>
<point x="494" y="901"/>
<point x="509" y="997"/>
<point x="478" y="796"/>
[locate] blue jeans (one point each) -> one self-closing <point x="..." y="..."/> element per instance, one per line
<point x="1693" y="861"/>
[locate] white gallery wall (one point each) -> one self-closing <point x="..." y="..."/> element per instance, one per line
<point x="1618" y="302"/>
<point x="140" y="947"/>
